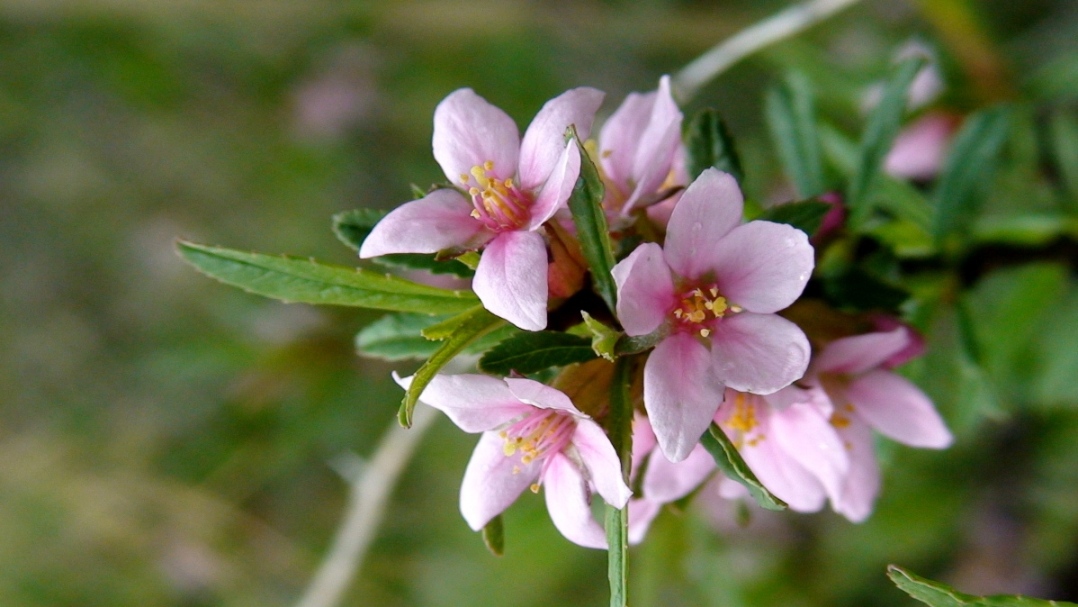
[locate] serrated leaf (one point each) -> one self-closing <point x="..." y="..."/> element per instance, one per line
<point x="879" y="136"/>
<point x="474" y="324"/>
<point x="791" y="119"/>
<point x="805" y="215"/>
<point x="353" y="227"/>
<point x="859" y="290"/>
<point x="494" y="536"/>
<point x="292" y="279"/>
<point x="708" y="143"/>
<point x="936" y="594"/>
<point x="968" y="170"/>
<point x="586" y="206"/>
<point x="531" y="352"/>
<point x="733" y="466"/>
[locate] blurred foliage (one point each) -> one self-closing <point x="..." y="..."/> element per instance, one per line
<point x="165" y="440"/>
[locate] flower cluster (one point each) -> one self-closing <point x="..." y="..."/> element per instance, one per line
<point x="702" y="289"/>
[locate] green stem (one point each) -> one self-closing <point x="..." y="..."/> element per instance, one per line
<point x="620" y="428"/>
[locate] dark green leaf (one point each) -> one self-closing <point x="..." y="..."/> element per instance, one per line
<point x="879" y="135"/>
<point x="936" y="594"/>
<point x="353" y="227"/>
<point x="1063" y="142"/>
<point x="301" y="280"/>
<point x="586" y="205"/>
<point x="397" y="337"/>
<point x="532" y="352"/>
<point x="968" y="171"/>
<point x="473" y="324"/>
<point x="805" y="215"/>
<point x="791" y="118"/>
<point x="733" y="466"/>
<point x="708" y="144"/>
<point x="859" y="290"/>
<point x="603" y="338"/>
<point x="494" y="536"/>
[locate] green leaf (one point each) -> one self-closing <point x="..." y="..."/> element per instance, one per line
<point x="292" y="279"/>
<point x="936" y="594"/>
<point x="708" y="144"/>
<point x="879" y="135"/>
<point x="494" y="536"/>
<point x="733" y="466"/>
<point x="791" y="118"/>
<point x="859" y="290"/>
<point x="603" y="338"/>
<point x="805" y="215"/>
<point x="1063" y="142"/>
<point x="397" y="337"/>
<point x="968" y="171"/>
<point x="472" y="325"/>
<point x="529" y="352"/>
<point x="586" y="206"/>
<point x="353" y="227"/>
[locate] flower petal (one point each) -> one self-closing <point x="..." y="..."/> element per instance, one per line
<point x="785" y="477"/>
<point x="475" y="403"/>
<point x="898" y="409"/>
<point x="666" y="481"/>
<point x="761" y="266"/>
<point x="758" y="353"/>
<point x="567" y="503"/>
<point x="681" y="394"/>
<point x="620" y="136"/>
<point x="601" y="462"/>
<point x="440" y="220"/>
<point x="541" y="396"/>
<point x="645" y="289"/>
<point x="511" y="279"/>
<point x="641" y="513"/>
<point x="861" y="352"/>
<point x="863" y="478"/>
<point x="469" y="131"/>
<point x="657" y="146"/>
<point x="806" y="436"/>
<point x="544" y="141"/>
<point x="643" y="440"/>
<point x="558" y="187"/>
<point x="708" y="210"/>
<point x="492" y="481"/>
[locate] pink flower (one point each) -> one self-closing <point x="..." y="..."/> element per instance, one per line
<point x="712" y="291"/>
<point x="509" y="188"/>
<point x="637" y="147"/>
<point x="866" y="395"/>
<point x="920" y="149"/>
<point x="532" y="436"/>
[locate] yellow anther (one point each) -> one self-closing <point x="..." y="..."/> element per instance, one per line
<point x="735" y="309"/>
<point x="705" y="332"/>
<point x="476" y="214"/>
<point x="714" y="292"/>
<point x="489" y="165"/>
<point x="840" y="421"/>
<point x="535" y="487"/>
<point x="464" y="177"/>
<point x="678" y="313"/>
<point x="508" y="183"/>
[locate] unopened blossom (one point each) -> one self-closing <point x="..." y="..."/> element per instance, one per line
<point x="508" y="188"/>
<point x="637" y="148"/>
<point x="866" y="395"/>
<point x="712" y="292"/>
<point x="532" y="436"/>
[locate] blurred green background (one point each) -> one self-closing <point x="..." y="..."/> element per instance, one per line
<point x="167" y="440"/>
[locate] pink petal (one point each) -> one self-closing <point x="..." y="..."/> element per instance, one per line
<point x="620" y="136"/>
<point x="851" y="355"/>
<point x="643" y="440"/>
<point x="601" y="462"/>
<point x="666" y="481"/>
<point x="469" y="131"/>
<point x="806" y="436"/>
<point x="567" y="503"/>
<point x="681" y="393"/>
<point x="440" y="220"/>
<point x="708" y="210"/>
<point x="898" y="409"/>
<point x="558" y="187"/>
<point x="759" y="353"/>
<point x="657" y="145"/>
<point x="475" y="403"/>
<point x="862" y="482"/>
<point x="544" y="141"/>
<point x="761" y="266"/>
<point x="645" y="289"/>
<point x="541" y="396"/>
<point x="784" y="476"/>
<point x="641" y="513"/>
<point x="492" y="481"/>
<point x="919" y="150"/>
<point x="511" y="279"/>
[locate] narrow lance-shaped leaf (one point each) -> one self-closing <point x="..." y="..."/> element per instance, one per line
<point x="494" y="536"/>
<point x="305" y="281"/>
<point x="353" y="227"/>
<point x="879" y="136"/>
<point x="708" y="144"/>
<point x="403" y="337"/>
<point x="1063" y="140"/>
<point x="531" y="352"/>
<point x="732" y="465"/>
<point x="936" y="594"/>
<point x="619" y="426"/>
<point x="473" y="324"/>
<point x="791" y="118"/>
<point x="586" y="206"/>
<point x="968" y="171"/>
<point x="805" y="215"/>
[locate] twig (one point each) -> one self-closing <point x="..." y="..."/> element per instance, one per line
<point x="687" y="82"/>
<point x="371" y="487"/>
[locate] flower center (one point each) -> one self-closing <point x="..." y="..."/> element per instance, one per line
<point x="743" y="423"/>
<point x="498" y="203"/>
<point x="698" y="308"/>
<point x="537" y="435"/>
